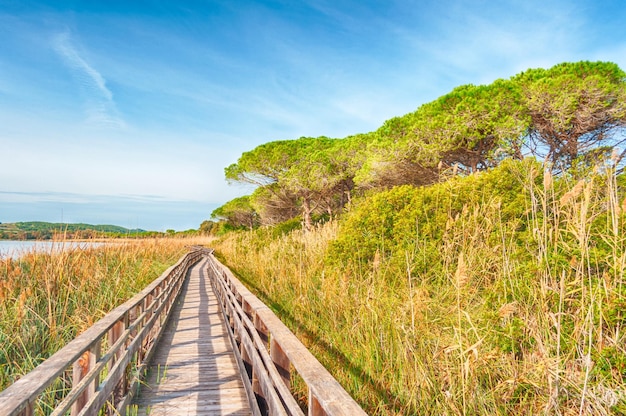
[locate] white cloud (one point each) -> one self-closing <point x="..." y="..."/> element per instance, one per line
<point x="463" y="46"/>
<point x="101" y="108"/>
<point x="195" y="94"/>
<point x="93" y="163"/>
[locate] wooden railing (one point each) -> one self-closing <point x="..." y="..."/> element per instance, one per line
<point x="99" y="371"/>
<point x="270" y="352"/>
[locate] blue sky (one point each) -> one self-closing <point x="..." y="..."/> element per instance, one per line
<point x="127" y="112"/>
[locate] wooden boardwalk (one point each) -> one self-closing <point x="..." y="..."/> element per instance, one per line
<point x="189" y="361"/>
<point x="194" y="370"/>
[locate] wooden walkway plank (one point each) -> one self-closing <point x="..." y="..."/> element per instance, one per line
<point x="194" y="370"/>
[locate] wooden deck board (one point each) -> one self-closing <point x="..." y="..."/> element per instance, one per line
<point x="193" y="371"/>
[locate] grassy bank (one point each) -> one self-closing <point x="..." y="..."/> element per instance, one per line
<point x="499" y="293"/>
<point x="47" y="298"/>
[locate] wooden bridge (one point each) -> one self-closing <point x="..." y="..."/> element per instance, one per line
<point x="194" y="342"/>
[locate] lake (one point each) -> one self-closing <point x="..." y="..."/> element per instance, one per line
<point x="14" y="249"/>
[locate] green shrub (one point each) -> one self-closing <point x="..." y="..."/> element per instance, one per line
<point x="390" y="222"/>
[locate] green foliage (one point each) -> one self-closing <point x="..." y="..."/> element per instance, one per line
<point x="238" y="213"/>
<point x="611" y="360"/>
<point x="389" y="222"/>
<point x="469" y="125"/>
<point x="278" y="160"/>
<point x="574" y="108"/>
<point x="41" y="226"/>
<point x="463" y="279"/>
<point x="207" y="227"/>
<point x="286" y="227"/>
<point x="48" y="298"/>
<point x="572" y="114"/>
<point x="499" y="292"/>
<point x="305" y="174"/>
<point x="38" y="230"/>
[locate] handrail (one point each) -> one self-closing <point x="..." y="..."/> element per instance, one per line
<point x="270" y="351"/>
<point x="100" y="370"/>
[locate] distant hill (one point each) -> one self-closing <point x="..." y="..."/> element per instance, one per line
<point x="45" y="230"/>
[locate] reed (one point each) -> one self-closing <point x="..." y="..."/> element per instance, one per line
<point x="497" y="315"/>
<point x="47" y="298"/>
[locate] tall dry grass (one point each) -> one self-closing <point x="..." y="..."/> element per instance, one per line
<point x="47" y="298"/>
<point x="522" y="316"/>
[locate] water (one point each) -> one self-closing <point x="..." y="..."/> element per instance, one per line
<point x="14" y="249"/>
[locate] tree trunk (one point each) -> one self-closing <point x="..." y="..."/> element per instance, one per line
<point x="306" y="214"/>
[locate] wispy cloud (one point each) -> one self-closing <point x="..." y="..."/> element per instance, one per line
<point x="147" y="212"/>
<point x="76" y="198"/>
<point x="101" y="108"/>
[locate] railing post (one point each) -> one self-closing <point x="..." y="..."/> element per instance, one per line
<point x="152" y="334"/>
<point x="238" y="297"/>
<point x="140" y="352"/>
<point x="93" y="385"/>
<point x="80" y="369"/>
<point x="261" y="328"/>
<point x="231" y="322"/>
<point x="315" y="409"/>
<point x="281" y="361"/>
<point x="247" y="362"/>
<point x="29" y="410"/>
<point x="131" y="316"/>
<point x="114" y="335"/>
<point x="247" y="309"/>
<point x="263" y="333"/>
<point x="157" y="296"/>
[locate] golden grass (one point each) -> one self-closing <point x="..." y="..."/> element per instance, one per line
<point x="514" y="324"/>
<point x="47" y="298"/>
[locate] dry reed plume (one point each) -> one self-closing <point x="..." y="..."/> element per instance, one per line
<point x="47" y="298"/>
<point x="503" y="316"/>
